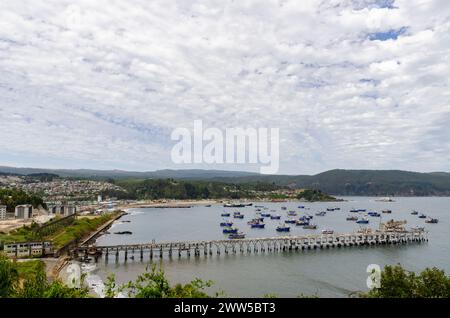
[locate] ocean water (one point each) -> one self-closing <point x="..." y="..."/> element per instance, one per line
<point x="324" y="273"/>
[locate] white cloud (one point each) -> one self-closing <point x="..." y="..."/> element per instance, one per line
<point x="102" y="84"/>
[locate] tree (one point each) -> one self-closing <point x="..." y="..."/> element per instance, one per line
<point x="9" y="277"/>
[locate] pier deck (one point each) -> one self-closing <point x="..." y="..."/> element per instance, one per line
<point x="251" y="245"/>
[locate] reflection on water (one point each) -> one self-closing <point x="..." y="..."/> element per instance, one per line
<point x="330" y="273"/>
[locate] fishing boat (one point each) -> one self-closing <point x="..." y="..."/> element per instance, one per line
<point x="290" y="221"/>
<point x="361" y="210"/>
<point x="330" y="209"/>
<point x="258" y="210"/>
<point x="226" y="223"/>
<point x="337" y="209"/>
<point x="238" y="216"/>
<point x="225" y="214"/>
<point x="275" y="217"/>
<point x="301" y="223"/>
<point x="362" y="221"/>
<point x="208" y="205"/>
<point x="301" y="206"/>
<point x="354" y="211"/>
<point x="323" y="213"/>
<point x="283" y="208"/>
<point x="283" y="228"/>
<point x="422" y="216"/>
<point x="374" y="214"/>
<point x="232" y="205"/>
<point x="352" y="218"/>
<point x="230" y="230"/>
<point x="386" y="211"/>
<point x="327" y="231"/>
<point x="266" y="215"/>
<point x="310" y="227"/>
<point x="414" y="212"/>
<point x="431" y="220"/>
<point x="258" y="225"/>
<point x="292" y="213"/>
<point x="236" y="236"/>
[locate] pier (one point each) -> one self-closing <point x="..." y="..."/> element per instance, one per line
<point x="249" y="245"/>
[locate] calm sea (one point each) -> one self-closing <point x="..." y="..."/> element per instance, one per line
<point x="325" y="273"/>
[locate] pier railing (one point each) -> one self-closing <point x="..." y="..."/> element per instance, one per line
<point x="250" y="245"/>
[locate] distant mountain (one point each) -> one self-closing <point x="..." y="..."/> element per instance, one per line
<point x="335" y="182"/>
<point x="121" y="174"/>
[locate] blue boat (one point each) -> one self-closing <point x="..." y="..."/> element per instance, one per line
<point x="362" y="221"/>
<point x="292" y="221"/>
<point x="282" y="228"/>
<point x="275" y="217"/>
<point x="225" y="214"/>
<point x="362" y="210"/>
<point x="238" y="216"/>
<point x="301" y="223"/>
<point x="230" y="230"/>
<point x="422" y="216"/>
<point x="258" y="225"/>
<point x="301" y="206"/>
<point x="265" y="214"/>
<point x="292" y="213"/>
<point x="374" y="214"/>
<point x="330" y="209"/>
<point x="226" y="223"/>
<point x="236" y="236"/>
<point x="323" y="213"/>
<point x="354" y="211"/>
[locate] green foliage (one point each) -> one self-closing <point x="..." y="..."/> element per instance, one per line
<point x="28" y="280"/>
<point x="396" y="282"/>
<point x="154" y="284"/>
<point x="12" y="197"/>
<point x="182" y="190"/>
<point x="314" y="195"/>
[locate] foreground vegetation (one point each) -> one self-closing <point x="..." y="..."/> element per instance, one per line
<point x="28" y="280"/>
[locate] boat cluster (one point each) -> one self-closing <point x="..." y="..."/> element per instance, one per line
<point x="423" y="216"/>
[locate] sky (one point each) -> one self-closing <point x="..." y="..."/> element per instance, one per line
<point x="351" y="84"/>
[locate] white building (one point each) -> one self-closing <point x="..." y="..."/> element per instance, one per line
<point x="28" y="249"/>
<point x="63" y="210"/>
<point x="24" y="211"/>
<point x="2" y="212"/>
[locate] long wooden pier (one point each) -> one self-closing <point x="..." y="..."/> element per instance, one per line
<point x="250" y="245"/>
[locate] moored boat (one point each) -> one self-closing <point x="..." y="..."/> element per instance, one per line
<point x="225" y="214"/>
<point x="374" y="214"/>
<point x="238" y="216"/>
<point x="266" y="215"/>
<point x="258" y="225"/>
<point x="236" y="236"/>
<point x="386" y="211"/>
<point x="283" y="228"/>
<point x="290" y="221"/>
<point x="362" y="221"/>
<point x="352" y="218"/>
<point x="322" y="213"/>
<point x="226" y="223"/>
<point x="327" y="231"/>
<point x="275" y="217"/>
<point x="301" y="222"/>
<point x="230" y="230"/>
<point x="414" y="212"/>
<point x="432" y="221"/>
<point x="422" y="216"/>
<point x="292" y="213"/>
<point x="310" y="227"/>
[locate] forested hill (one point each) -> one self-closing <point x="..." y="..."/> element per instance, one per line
<point x="364" y="182"/>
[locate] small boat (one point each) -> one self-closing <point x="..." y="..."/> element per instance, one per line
<point x="327" y="231"/>
<point x="230" y="230"/>
<point x="283" y="208"/>
<point x="352" y="218"/>
<point x="292" y="213"/>
<point x="257" y="225"/>
<point x="323" y="213"/>
<point x="431" y="220"/>
<point x="283" y="228"/>
<point x="258" y="210"/>
<point x="301" y="206"/>
<point x="362" y="221"/>
<point x="354" y="211"/>
<point x="414" y="212"/>
<point x="236" y="236"/>
<point x="275" y="217"/>
<point x="225" y="214"/>
<point x="386" y="211"/>
<point x="374" y="214"/>
<point x="310" y="227"/>
<point x="238" y="216"/>
<point x="266" y="215"/>
<point x="259" y="206"/>
<point x="231" y="205"/>
<point x="226" y="223"/>
<point x="208" y="205"/>
<point x="337" y="209"/>
<point x="301" y="223"/>
<point x="290" y="221"/>
<point x="330" y="209"/>
<point x="422" y="216"/>
<point x="362" y="210"/>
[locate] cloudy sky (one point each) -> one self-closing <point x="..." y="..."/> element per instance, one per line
<point x="101" y="84"/>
